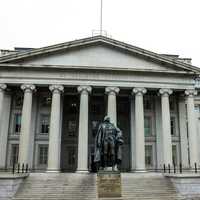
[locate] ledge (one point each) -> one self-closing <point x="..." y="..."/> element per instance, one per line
<point x="184" y="175"/>
<point x="7" y="175"/>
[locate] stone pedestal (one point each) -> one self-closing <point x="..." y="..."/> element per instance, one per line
<point x="109" y="184"/>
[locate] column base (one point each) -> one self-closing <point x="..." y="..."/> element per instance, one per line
<point x="139" y="170"/>
<point x="82" y="171"/>
<point x="53" y="171"/>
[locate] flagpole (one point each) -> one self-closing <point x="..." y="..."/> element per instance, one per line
<point x="101" y="18"/>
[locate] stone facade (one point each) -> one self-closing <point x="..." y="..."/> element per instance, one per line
<point x="52" y="99"/>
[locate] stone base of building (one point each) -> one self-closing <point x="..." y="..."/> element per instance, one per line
<point x="109" y="184"/>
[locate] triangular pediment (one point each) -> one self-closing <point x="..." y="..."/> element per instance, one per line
<point x="98" y="52"/>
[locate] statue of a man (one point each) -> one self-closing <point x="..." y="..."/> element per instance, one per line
<point x="108" y="145"/>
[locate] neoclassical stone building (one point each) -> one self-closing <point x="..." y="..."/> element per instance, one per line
<point x="53" y="98"/>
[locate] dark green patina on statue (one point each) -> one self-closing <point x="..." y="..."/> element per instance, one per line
<point x="108" y="146"/>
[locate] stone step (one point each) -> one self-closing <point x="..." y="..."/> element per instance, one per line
<point x="83" y="187"/>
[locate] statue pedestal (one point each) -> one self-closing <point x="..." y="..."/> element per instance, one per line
<point x="109" y="184"/>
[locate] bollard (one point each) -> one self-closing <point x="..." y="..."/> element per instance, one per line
<point x="181" y="170"/>
<point x="18" y="167"/>
<point x="164" y="168"/>
<point x="23" y="168"/>
<point x="26" y="168"/>
<point x="169" y="168"/>
<point x="195" y="165"/>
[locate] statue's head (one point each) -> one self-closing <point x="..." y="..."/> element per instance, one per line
<point x="106" y="119"/>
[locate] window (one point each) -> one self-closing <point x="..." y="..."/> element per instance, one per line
<point x="18" y="101"/>
<point x="174" y="154"/>
<point x="173" y="126"/>
<point x="71" y="127"/>
<point x="147" y="104"/>
<point x="43" y="154"/>
<point x="147" y="126"/>
<point x="95" y="125"/>
<point x="14" y="154"/>
<point x="71" y="156"/>
<point x="45" y="124"/>
<point x="73" y="109"/>
<point x="172" y="104"/>
<point x="17" y="123"/>
<point x="46" y="101"/>
<point x="148" y="155"/>
<point x="96" y="109"/>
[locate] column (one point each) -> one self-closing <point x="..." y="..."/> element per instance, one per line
<point x="133" y="142"/>
<point x="83" y="129"/>
<point x="192" y="130"/>
<point x="25" y="134"/>
<point x="3" y="139"/>
<point x="112" y="103"/>
<point x="183" y="131"/>
<point x="166" y="126"/>
<point x="139" y="129"/>
<point x="55" y="133"/>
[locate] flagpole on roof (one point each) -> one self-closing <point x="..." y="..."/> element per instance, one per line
<point x="101" y="18"/>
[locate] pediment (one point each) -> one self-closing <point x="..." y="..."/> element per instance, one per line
<point x="96" y="56"/>
<point x="98" y="52"/>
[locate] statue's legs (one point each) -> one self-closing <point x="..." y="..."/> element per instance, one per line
<point x="112" y="153"/>
<point x="105" y="153"/>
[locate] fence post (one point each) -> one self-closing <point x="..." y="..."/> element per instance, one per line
<point x="23" y="168"/>
<point x="169" y="168"/>
<point x="26" y="167"/>
<point x="18" y="167"/>
<point x="13" y="169"/>
<point x="181" y="168"/>
<point x="195" y="165"/>
<point x="174" y="168"/>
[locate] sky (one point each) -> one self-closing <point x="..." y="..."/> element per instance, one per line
<point x="162" y="26"/>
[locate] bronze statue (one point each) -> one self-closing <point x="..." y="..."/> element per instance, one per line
<point x="108" y="146"/>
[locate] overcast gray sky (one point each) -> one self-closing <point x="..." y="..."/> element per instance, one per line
<point x="163" y="26"/>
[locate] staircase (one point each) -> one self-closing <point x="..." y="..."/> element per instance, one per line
<point x="151" y="186"/>
<point x="73" y="186"/>
<point x="63" y="186"/>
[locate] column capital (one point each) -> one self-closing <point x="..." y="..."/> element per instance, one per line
<point x="139" y="91"/>
<point x="190" y="93"/>
<point x="165" y="91"/>
<point x="84" y="89"/>
<point x="56" y="88"/>
<point x="28" y="87"/>
<point x="2" y="87"/>
<point x="112" y="90"/>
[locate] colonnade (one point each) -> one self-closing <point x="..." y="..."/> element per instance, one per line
<point x="139" y="146"/>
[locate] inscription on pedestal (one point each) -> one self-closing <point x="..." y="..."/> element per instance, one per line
<point x="108" y="184"/>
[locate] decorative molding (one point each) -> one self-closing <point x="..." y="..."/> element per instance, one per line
<point x="56" y="88"/>
<point x="112" y="90"/>
<point x="165" y="91"/>
<point x="2" y="87"/>
<point x="84" y="89"/>
<point x="191" y="93"/>
<point x="139" y="91"/>
<point x="28" y="87"/>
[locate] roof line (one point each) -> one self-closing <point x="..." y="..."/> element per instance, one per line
<point x="89" y="40"/>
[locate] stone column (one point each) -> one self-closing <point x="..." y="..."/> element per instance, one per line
<point x="112" y="103"/>
<point x="25" y="134"/>
<point x="55" y="133"/>
<point x="192" y="130"/>
<point x="139" y="129"/>
<point x="166" y="126"/>
<point x="183" y="131"/>
<point x="2" y="138"/>
<point x="83" y="129"/>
